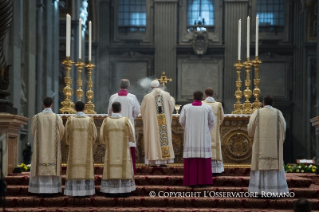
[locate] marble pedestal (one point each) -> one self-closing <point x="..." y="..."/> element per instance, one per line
<point x="236" y="145"/>
<point x="9" y="130"/>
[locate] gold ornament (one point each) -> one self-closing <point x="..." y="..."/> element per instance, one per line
<point x="67" y="104"/>
<point x="257" y="104"/>
<point x="238" y="93"/>
<point x="247" y="92"/>
<point x="79" y="91"/>
<point x="89" y="106"/>
<point x="164" y="79"/>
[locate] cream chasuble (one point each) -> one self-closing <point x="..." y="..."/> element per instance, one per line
<point x="215" y="132"/>
<point x="47" y="129"/>
<point x="80" y="136"/>
<point x="157" y="111"/>
<point x="268" y="127"/>
<point x="115" y="133"/>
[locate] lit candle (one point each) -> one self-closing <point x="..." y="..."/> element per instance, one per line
<point x="68" y="34"/>
<point x="239" y="38"/>
<point x="248" y="36"/>
<point x="80" y="37"/>
<point x="90" y="41"/>
<point x="257" y="32"/>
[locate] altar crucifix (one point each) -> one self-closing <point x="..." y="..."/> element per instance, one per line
<point x="164" y="79"/>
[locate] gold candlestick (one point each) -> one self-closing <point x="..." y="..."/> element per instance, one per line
<point x="79" y="91"/>
<point x="247" y="92"/>
<point x="67" y="104"/>
<point x="89" y="106"/>
<point x="238" y="93"/>
<point x="256" y="92"/>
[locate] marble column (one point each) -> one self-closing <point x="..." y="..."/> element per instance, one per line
<point x="165" y="31"/>
<point x="102" y="71"/>
<point x="301" y="143"/>
<point x="317" y="105"/>
<point x="234" y="10"/>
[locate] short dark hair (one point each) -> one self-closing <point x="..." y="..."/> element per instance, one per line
<point x="209" y="91"/>
<point x="268" y="100"/>
<point x="302" y="205"/>
<point x="198" y="95"/>
<point x="116" y="107"/>
<point x="79" y="106"/>
<point x="47" y="101"/>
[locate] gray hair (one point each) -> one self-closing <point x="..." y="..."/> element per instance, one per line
<point x="124" y="84"/>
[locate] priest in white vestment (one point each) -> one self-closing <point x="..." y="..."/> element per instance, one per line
<point x="217" y="158"/>
<point x="130" y="108"/>
<point x="198" y="120"/>
<point x="267" y="126"/>
<point x="116" y="133"/>
<point x="47" y="129"/>
<point x="157" y="112"/>
<point x="80" y="136"/>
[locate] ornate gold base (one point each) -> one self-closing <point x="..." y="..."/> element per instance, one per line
<point x="89" y="108"/>
<point x="67" y="104"/>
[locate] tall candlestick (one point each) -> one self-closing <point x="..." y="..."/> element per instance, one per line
<point x="80" y="37"/>
<point x="68" y="34"/>
<point x="90" y="40"/>
<point x="239" y="38"/>
<point x="257" y="34"/>
<point x="248" y="36"/>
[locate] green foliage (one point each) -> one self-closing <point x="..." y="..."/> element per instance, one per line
<point x="300" y="168"/>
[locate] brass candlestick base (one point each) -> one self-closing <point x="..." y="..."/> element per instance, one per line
<point x="89" y="106"/>
<point x="79" y="91"/>
<point x="247" y="107"/>
<point x="67" y="104"/>
<point x="256" y="92"/>
<point x="238" y="94"/>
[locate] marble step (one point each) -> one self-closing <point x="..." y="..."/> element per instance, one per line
<point x="311" y="192"/>
<point x="174" y="180"/>
<point x="146" y="201"/>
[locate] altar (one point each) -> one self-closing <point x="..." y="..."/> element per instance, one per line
<point x="236" y="145"/>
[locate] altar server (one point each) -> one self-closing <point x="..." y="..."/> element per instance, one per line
<point x="47" y="129"/>
<point x="116" y="133"/>
<point x="157" y="111"/>
<point x="198" y="120"/>
<point x="130" y="109"/>
<point x="267" y="126"/>
<point x="217" y="158"/>
<point x="80" y="136"/>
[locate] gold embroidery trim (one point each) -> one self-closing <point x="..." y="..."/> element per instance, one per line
<point x="89" y="162"/>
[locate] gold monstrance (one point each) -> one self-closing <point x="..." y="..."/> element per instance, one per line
<point x="164" y="79"/>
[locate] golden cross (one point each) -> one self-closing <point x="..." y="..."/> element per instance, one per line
<point x="164" y="79"/>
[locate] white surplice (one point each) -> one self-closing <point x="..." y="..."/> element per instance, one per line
<point x="267" y="126"/>
<point x="130" y="108"/>
<point x="196" y="143"/>
<point x="41" y="182"/>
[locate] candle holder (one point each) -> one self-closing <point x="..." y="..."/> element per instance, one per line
<point x="247" y="107"/>
<point x="256" y="92"/>
<point x="238" y="94"/>
<point x="89" y="106"/>
<point x="79" y="91"/>
<point x="67" y="104"/>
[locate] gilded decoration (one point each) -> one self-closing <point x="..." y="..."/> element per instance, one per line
<point x="236" y="145"/>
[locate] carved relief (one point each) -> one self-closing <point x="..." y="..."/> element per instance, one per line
<point x="200" y="42"/>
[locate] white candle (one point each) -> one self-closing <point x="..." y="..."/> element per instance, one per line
<point x="239" y="38"/>
<point x="90" y="41"/>
<point x="248" y="36"/>
<point x="257" y="32"/>
<point x="80" y="37"/>
<point x="68" y="35"/>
